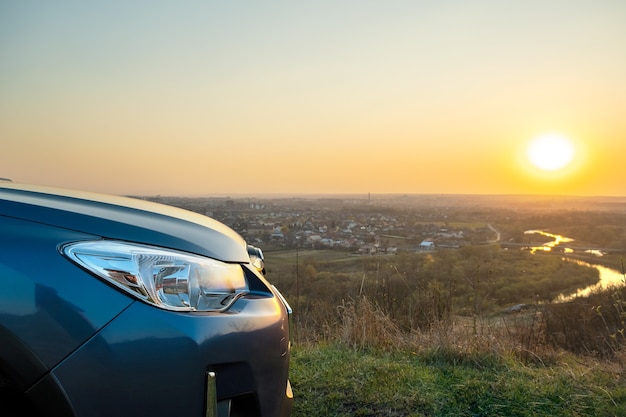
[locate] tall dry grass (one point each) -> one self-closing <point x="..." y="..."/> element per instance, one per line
<point x="591" y="327"/>
<point x="364" y="325"/>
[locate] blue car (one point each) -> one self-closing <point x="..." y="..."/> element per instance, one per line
<point x="114" y="306"/>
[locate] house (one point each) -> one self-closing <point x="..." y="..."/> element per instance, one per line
<point x="427" y="245"/>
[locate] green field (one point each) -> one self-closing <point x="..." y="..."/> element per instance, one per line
<point x="333" y="380"/>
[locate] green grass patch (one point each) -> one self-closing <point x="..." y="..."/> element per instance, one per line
<point x="333" y="380"/>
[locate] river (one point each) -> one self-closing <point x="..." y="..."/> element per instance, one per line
<point x="608" y="276"/>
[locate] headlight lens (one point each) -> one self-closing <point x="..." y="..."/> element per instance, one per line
<point x="168" y="279"/>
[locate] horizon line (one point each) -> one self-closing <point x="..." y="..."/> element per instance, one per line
<point x="367" y="196"/>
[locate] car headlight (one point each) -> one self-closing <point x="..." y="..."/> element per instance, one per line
<point x="166" y="278"/>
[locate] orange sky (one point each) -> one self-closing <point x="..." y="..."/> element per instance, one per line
<point x="202" y="98"/>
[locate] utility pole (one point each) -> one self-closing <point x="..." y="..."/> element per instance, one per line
<point x="297" y="322"/>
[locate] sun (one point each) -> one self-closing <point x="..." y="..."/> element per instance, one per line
<point x="551" y="152"/>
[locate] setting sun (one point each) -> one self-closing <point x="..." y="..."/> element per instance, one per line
<point x="551" y="152"/>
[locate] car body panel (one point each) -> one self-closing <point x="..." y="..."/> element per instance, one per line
<point x="45" y="299"/>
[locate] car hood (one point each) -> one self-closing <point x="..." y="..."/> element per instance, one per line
<point x="123" y="218"/>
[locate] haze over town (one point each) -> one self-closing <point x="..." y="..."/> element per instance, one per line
<point x="222" y="98"/>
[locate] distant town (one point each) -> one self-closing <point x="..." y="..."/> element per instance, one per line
<point x="369" y="225"/>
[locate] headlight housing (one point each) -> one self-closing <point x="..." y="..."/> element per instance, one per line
<point x="165" y="278"/>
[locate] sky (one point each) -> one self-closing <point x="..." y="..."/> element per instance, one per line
<point x="326" y="97"/>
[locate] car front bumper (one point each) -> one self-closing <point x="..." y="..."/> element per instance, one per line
<point x="153" y="362"/>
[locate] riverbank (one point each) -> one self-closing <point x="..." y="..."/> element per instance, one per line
<point x="613" y="261"/>
<point x="610" y="265"/>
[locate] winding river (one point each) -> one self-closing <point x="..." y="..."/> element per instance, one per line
<point x="608" y="276"/>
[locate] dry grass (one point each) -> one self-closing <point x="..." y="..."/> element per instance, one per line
<point x="591" y="326"/>
<point x="364" y="325"/>
<point x="536" y="335"/>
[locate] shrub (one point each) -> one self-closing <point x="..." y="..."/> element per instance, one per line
<point x="593" y="325"/>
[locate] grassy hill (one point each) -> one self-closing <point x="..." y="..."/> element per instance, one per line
<point x="386" y="336"/>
